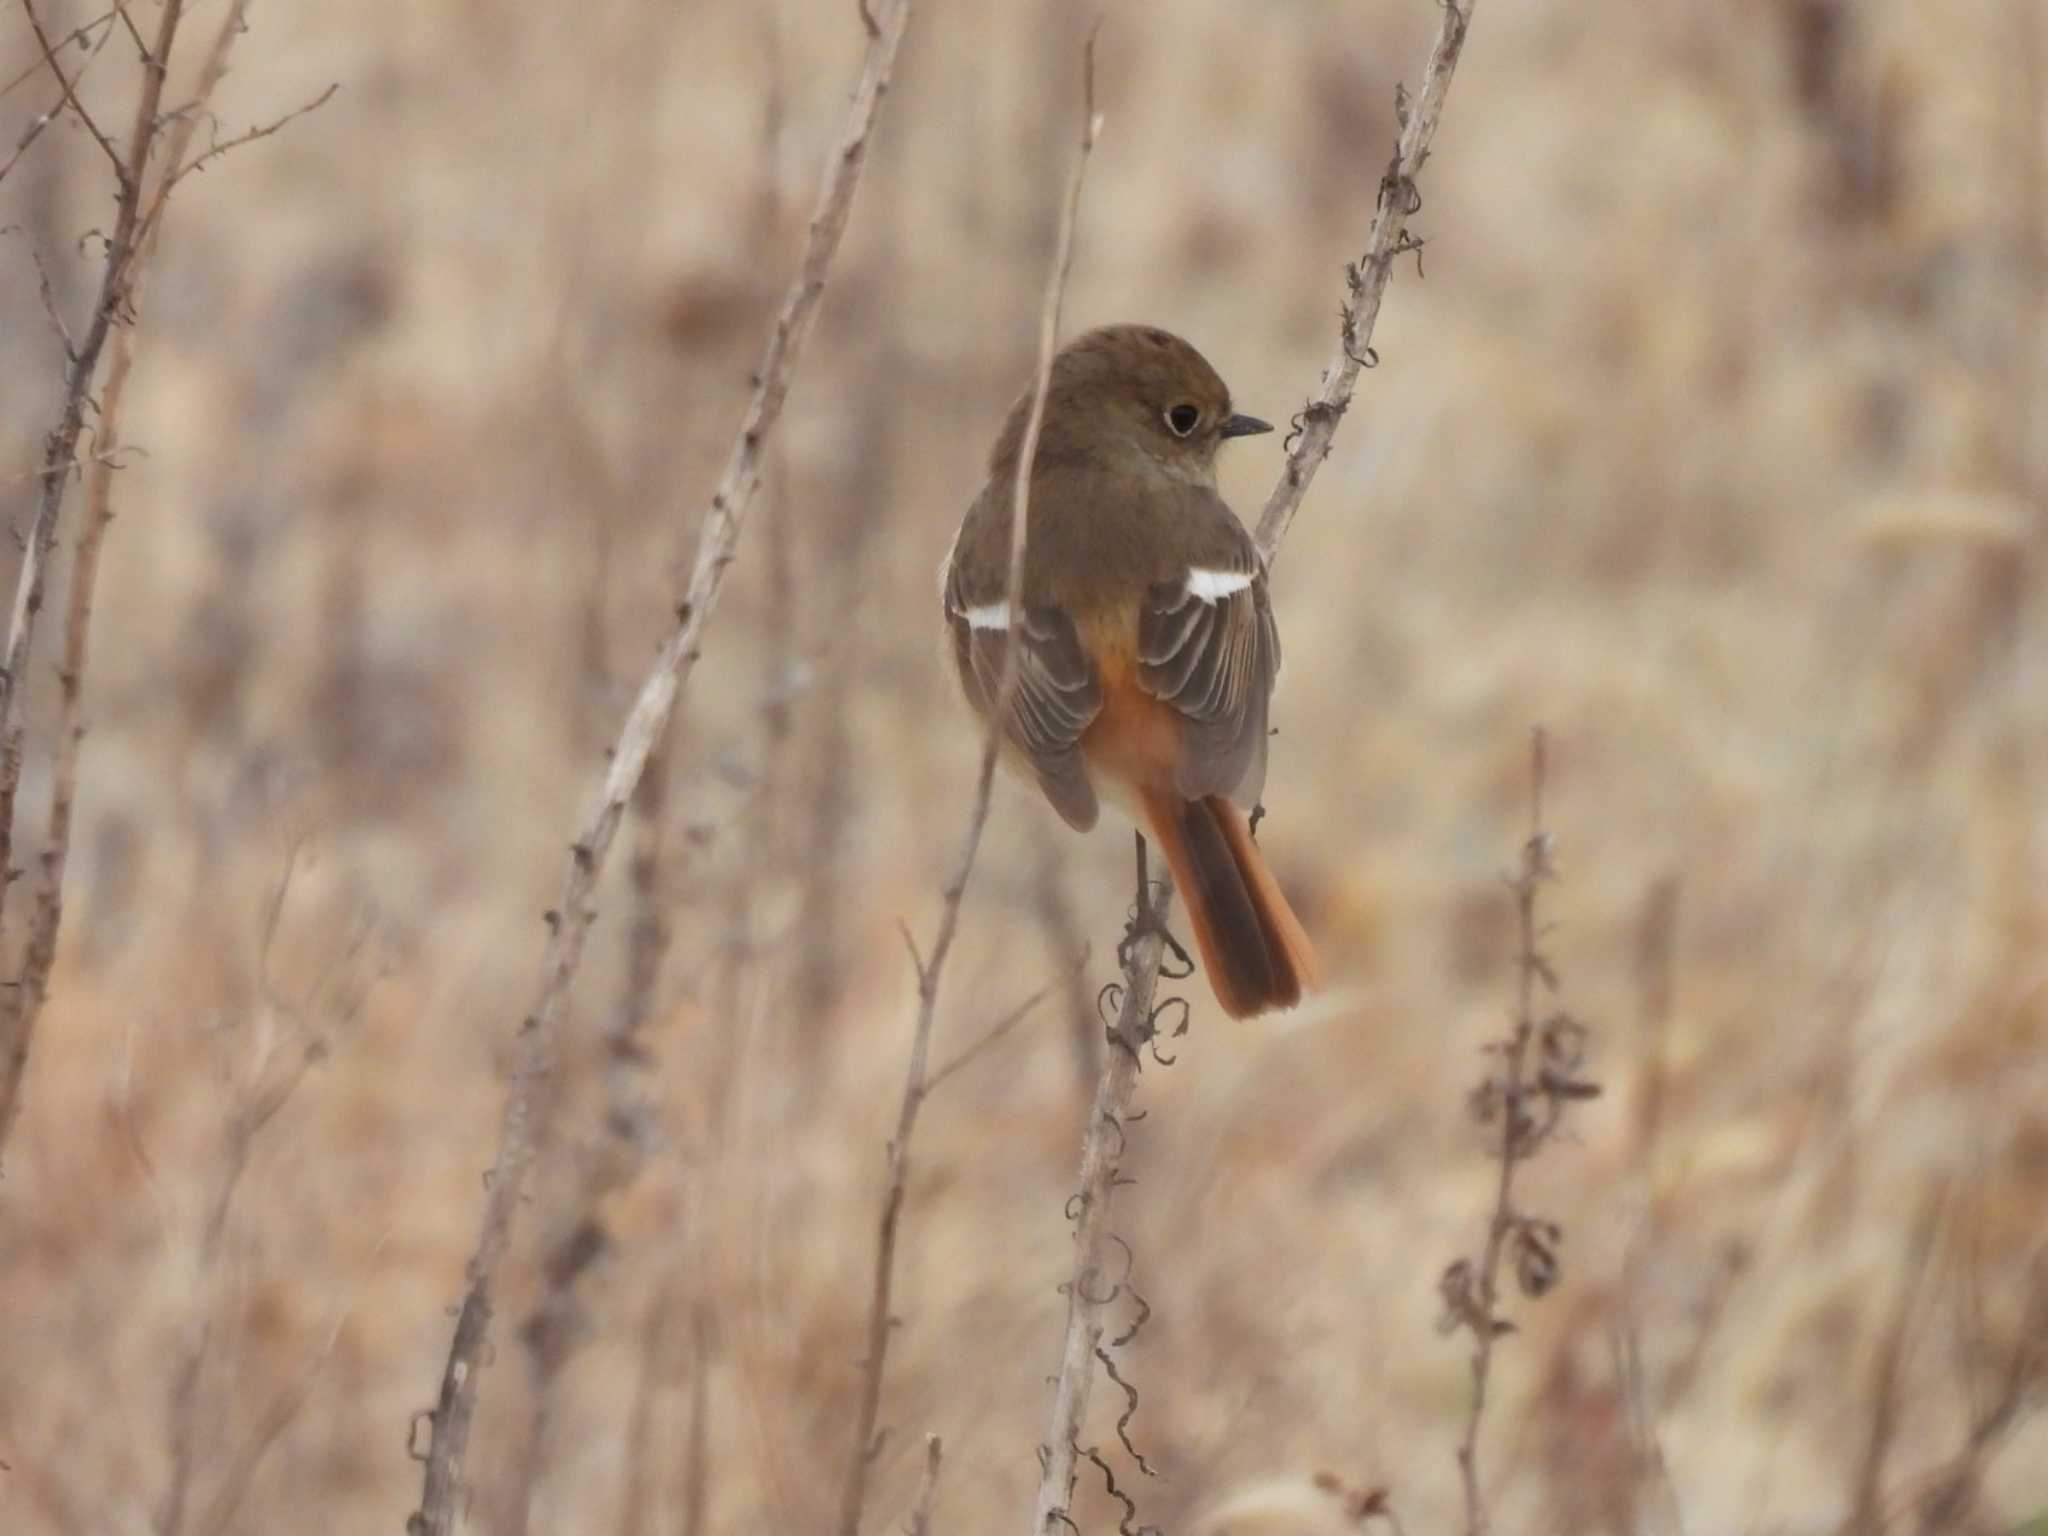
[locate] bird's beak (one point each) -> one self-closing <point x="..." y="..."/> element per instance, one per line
<point x="1245" y="426"/>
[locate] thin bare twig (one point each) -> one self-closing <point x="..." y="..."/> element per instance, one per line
<point x="48" y="913"/>
<point x="1948" y="1496"/>
<point x="927" y="1490"/>
<point x="1102" y="1141"/>
<point x="48" y="293"/>
<point x="1102" y="1151"/>
<point x="29" y="135"/>
<point x="83" y="29"/>
<point x="916" y="1090"/>
<point x="43" y="120"/>
<point x="278" y="1416"/>
<point x="999" y="1029"/>
<point x="128" y="25"/>
<point x="19" y="1004"/>
<point x="1365" y="281"/>
<point x="1866" y="1490"/>
<point x="530" y="1102"/>
<point x="1656" y="943"/>
<point x="1062" y="928"/>
<point x="69" y="87"/>
<point x="576" y="1230"/>
<point x="221" y="147"/>
<point x="917" y="1084"/>
<point x="261" y="1099"/>
<point x="696" y="1463"/>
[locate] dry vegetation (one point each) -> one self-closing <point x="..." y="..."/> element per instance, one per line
<point x="1715" y="439"/>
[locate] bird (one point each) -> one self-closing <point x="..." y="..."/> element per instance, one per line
<point x="1146" y="645"/>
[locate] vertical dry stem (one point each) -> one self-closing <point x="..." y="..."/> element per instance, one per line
<point x="1538" y="1077"/>
<point x="61" y="446"/>
<point x="41" y="953"/>
<point x="1102" y="1149"/>
<point x="577" y="1234"/>
<point x="258" y="1104"/>
<point x="1366" y="282"/>
<point x="918" y="1080"/>
<point x="1516" y="1134"/>
<point x="139" y="214"/>
<point x="530" y="1101"/>
<point x="1866" y="1491"/>
<point x="927" y="1490"/>
<point x="19" y="1004"/>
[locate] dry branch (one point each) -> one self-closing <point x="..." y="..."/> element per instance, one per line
<point x="66" y="88"/>
<point x="1102" y="1141"/>
<point x="1537" y="1078"/>
<point x="927" y="1490"/>
<point x="139" y="213"/>
<point x="1102" y="1149"/>
<point x="530" y="1102"/>
<point x="918" y="1080"/>
<point x="261" y="1097"/>
<point x="18" y="1004"/>
<point x="20" y="1012"/>
<point x="61" y="446"/>
<point x="219" y="146"/>
<point x="1365" y="280"/>
<point x="1509" y="1097"/>
<point x="77" y="34"/>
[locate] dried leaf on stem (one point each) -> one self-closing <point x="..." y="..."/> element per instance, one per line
<point x="1539" y="1073"/>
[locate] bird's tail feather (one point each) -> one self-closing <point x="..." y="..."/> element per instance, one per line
<point x="1254" y="948"/>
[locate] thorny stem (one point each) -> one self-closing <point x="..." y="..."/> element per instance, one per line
<point x="137" y="224"/>
<point x="530" y="1103"/>
<point x="41" y="953"/>
<point x="1366" y="282"/>
<point x="60" y="448"/>
<point x="1102" y="1150"/>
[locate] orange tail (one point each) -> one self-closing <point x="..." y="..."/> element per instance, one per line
<point x="1253" y="946"/>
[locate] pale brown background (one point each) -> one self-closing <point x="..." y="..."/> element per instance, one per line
<point x="1713" y="440"/>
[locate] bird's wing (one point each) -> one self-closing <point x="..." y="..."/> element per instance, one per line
<point x="1207" y="645"/>
<point x="1057" y="693"/>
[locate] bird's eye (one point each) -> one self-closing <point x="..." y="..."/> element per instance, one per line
<point x="1182" y="419"/>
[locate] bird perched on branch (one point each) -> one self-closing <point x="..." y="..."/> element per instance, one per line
<point x="1145" y="638"/>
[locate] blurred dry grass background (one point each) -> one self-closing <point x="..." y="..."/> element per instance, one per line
<point x="1716" y="439"/>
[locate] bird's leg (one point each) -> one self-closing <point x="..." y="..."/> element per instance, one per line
<point x="1146" y="920"/>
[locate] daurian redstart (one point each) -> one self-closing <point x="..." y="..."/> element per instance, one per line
<point x="1147" y="649"/>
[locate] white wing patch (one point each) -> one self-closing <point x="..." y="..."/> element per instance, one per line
<point x="988" y="616"/>
<point x="1214" y="586"/>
